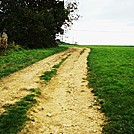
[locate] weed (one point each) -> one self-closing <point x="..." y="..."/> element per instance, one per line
<point x="62" y="60"/>
<point x="48" y="75"/>
<point x="37" y="91"/>
<point x="56" y="66"/>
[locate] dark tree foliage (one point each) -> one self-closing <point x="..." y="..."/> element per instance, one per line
<point x="35" y="23"/>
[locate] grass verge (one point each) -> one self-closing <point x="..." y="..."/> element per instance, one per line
<point x="14" y="61"/>
<point x="12" y="121"/>
<point x="111" y="73"/>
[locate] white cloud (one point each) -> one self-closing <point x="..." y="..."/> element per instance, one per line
<point x="104" y="22"/>
<point x="107" y="9"/>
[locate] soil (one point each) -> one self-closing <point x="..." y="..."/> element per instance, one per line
<point x="66" y="105"/>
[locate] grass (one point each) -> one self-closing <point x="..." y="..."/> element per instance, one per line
<point x="37" y="91"/>
<point x="15" y="61"/>
<point x="12" y="121"/>
<point x="111" y="74"/>
<point x="47" y="76"/>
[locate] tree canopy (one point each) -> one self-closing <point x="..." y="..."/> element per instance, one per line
<point x="35" y="23"/>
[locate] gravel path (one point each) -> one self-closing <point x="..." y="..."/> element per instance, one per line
<point x="15" y="86"/>
<point x="66" y="106"/>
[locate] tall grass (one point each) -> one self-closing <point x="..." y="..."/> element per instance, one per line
<point x="111" y="74"/>
<point x="17" y="60"/>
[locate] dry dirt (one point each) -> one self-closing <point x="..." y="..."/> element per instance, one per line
<point x="66" y="106"/>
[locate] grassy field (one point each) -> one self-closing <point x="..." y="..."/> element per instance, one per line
<point x="111" y="74"/>
<point x="17" y="60"/>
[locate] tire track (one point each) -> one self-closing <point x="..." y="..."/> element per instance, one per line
<point x="15" y="86"/>
<point x="67" y="105"/>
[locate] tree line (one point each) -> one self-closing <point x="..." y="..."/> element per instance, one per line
<point x="36" y="23"/>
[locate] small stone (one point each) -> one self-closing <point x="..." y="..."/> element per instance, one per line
<point x="67" y="125"/>
<point x="95" y="131"/>
<point x="99" y="108"/>
<point x="68" y="92"/>
<point x="49" y="115"/>
<point x="35" y="111"/>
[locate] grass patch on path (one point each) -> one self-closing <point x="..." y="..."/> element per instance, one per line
<point x="47" y="76"/>
<point x="111" y="74"/>
<point x="12" y="121"/>
<point x="18" y="60"/>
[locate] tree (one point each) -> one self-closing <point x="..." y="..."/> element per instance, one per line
<point x="35" y="23"/>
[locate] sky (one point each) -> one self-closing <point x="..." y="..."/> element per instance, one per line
<point x="103" y="22"/>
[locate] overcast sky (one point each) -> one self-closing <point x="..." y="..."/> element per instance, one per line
<point x="103" y="22"/>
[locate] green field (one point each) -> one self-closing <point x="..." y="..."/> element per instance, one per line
<point x="17" y="60"/>
<point x="111" y="74"/>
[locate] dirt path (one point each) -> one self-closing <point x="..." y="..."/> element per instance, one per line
<point x="15" y="86"/>
<point x="66" y="105"/>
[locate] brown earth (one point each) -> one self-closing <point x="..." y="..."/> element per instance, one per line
<point x="66" y="106"/>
